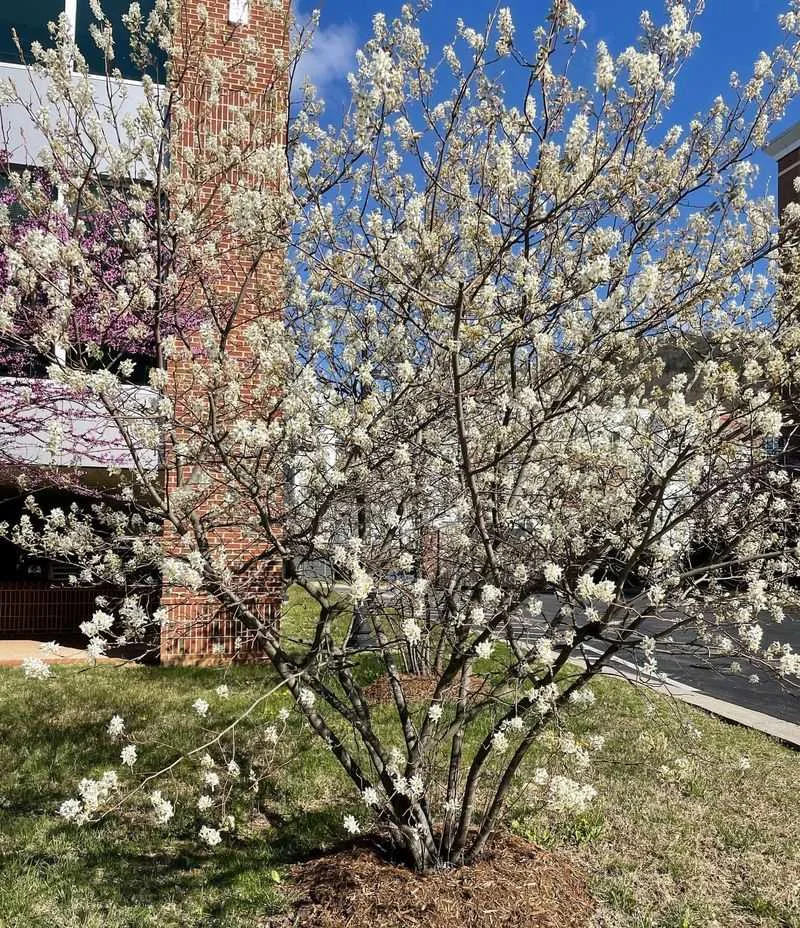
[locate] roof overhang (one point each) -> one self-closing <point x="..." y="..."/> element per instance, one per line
<point x="785" y="143"/>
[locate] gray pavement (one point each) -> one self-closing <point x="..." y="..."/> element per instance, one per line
<point x="687" y="663"/>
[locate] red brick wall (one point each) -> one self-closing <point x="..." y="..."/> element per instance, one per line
<point x="196" y="629"/>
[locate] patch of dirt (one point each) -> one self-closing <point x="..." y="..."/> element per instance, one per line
<point x="416" y="688"/>
<point x="515" y="885"/>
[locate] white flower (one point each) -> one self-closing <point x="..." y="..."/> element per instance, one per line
<point x="583" y="697"/>
<point x="540" y="777"/>
<point x="128" y="755"/>
<point x="211" y="779"/>
<point x="178" y="573"/>
<point x="200" y="706"/>
<point x="351" y="825"/>
<point x="204" y="803"/>
<point x="412" y="631"/>
<point x="604" y="69"/>
<point x="435" y="712"/>
<point x="96" y="648"/>
<point x="271" y="734"/>
<point x="499" y="742"/>
<point x="543" y="697"/>
<point x="570" y="17"/>
<point x="222" y="691"/>
<point x="233" y="768"/>
<point x="577" y="137"/>
<point x="530" y="107"/>
<point x="162" y="808"/>
<point x="505" y="29"/>
<point x="789" y="662"/>
<point x="763" y="65"/>
<point x="565" y="795"/>
<point x="744" y="763"/>
<point x="35" y="669"/>
<point x="477" y="615"/>
<point x="751" y="636"/>
<point x="306" y="698"/>
<point x="109" y="781"/>
<point x="210" y="836"/>
<point x="545" y="652"/>
<point x="361" y="585"/>
<point x="371" y="797"/>
<point x="101" y="622"/>
<point x="585" y="587"/>
<point x="116" y="727"/>
<point x="92" y="793"/>
<point x="50" y="648"/>
<point x="566" y="637"/>
<point x="484" y="649"/>
<point x="553" y="573"/>
<point x="70" y="809"/>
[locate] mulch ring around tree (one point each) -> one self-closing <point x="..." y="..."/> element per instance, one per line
<point x="514" y="885"/>
<point x="416" y="688"/>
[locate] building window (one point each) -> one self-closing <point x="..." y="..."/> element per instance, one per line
<point x="114" y="11"/>
<point x="30" y="21"/>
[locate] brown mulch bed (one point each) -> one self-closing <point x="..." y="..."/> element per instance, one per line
<point x="416" y="688"/>
<point x="515" y="885"/>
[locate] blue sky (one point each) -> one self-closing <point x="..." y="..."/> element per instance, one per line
<point x="734" y="32"/>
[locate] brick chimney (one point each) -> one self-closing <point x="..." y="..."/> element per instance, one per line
<point x="197" y="629"/>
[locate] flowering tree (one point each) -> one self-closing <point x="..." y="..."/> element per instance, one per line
<point x="100" y="323"/>
<point x="528" y="364"/>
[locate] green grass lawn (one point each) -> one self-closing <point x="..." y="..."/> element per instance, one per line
<point x="680" y="836"/>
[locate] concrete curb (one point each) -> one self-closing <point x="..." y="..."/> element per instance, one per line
<point x="787" y="732"/>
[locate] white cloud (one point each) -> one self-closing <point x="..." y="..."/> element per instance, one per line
<point x="331" y="56"/>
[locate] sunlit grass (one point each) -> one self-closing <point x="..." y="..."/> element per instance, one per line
<point x="681" y="834"/>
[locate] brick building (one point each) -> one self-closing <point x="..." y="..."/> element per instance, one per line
<point x="36" y="601"/>
<point x="785" y="149"/>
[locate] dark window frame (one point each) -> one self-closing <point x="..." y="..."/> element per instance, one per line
<point x="38" y="13"/>
<point x="36" y="30"/>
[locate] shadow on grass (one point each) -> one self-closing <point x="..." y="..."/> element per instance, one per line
<point x="129" y="867"/>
